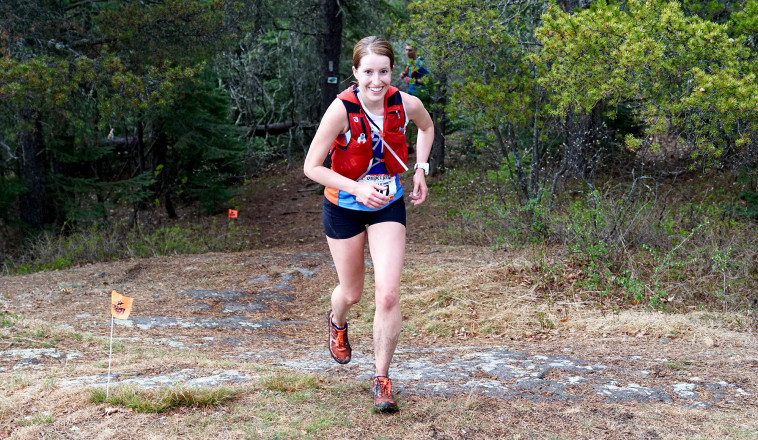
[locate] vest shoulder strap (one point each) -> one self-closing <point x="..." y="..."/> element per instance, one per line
<point x="355" y="114"/>
<point x="394" y="97"/>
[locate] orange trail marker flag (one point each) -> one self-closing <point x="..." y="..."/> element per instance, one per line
<point x="121" y="306"/>
<point x="233" y="213"/>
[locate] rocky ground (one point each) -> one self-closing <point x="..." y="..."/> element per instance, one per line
<point x="268" y="306"/>
<point x="263" y="307"/>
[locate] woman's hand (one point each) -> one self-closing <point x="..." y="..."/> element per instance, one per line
<point x="372" y="195"/>
<point x="418" y="196"/>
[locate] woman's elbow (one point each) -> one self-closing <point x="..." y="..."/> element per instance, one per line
<point x="428" y="131"/>
<point x="308" y="170"/>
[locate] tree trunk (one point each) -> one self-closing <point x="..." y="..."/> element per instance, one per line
<point x="577" y="131"/>
<point x="332" y="46"/>
<point x="32" y="203"/>
<point x="160" y="170"/>
<point x="439" y="101"/>
<point x="141" y="165"/>
<point x="141" y="146"/>
<point x="536" y="152"/>
<point x="518" y="164"/>
<point x="570" y="5"/>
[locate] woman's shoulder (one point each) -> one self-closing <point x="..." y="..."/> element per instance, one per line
<point x="336" y="116"/>
<point x="411" y="102"/>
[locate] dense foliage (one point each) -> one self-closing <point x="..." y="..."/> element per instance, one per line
<point x="87" y="90"/>
<point x="136" y="103"/>
<point x="108" y="108"/>
<point x="688" y="78"/>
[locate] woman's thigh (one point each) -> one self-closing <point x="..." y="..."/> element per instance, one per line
<point x="347" y="254"/>
<point x="387" y="246"/>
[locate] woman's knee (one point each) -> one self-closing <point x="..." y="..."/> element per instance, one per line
<point x="387" y="298"/>
<point x="351" y="294"/>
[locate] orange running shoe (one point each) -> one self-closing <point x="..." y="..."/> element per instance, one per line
<point x="382" y="391"/>
<point x="339" y="346"/>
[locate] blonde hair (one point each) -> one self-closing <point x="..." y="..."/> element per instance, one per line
<point x="372" y="44"/>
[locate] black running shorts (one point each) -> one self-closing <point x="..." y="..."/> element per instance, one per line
<point x="342" y="223"/>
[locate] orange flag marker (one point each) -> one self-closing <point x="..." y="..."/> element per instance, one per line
<point x="232" y="213"/>
<point x="121" y="306"/>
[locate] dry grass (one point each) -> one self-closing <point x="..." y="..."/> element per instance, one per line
<point x="162" y="400"/>
<point x="341" y="410"/>
<point x="667" y="245"/>
<point x="449" y="295"/>
<point x="727" y="328"/>
<point x="285" y="404"/>
<point x="502" y="298"/>
<point x="494" y="295"/>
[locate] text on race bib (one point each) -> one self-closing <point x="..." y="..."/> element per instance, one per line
<point x="386" y="180"/>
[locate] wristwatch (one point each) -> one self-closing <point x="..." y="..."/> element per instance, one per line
<point x="423" y="166"/>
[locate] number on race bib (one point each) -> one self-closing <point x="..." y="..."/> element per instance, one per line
<point x="386" y="180"/>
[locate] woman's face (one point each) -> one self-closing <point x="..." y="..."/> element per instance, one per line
<point x="374" y="74"/>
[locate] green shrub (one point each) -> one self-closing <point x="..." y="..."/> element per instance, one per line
<point x="105" y="242"/>
<point x="643" y="242"/>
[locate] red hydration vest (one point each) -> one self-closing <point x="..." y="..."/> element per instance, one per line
<point x="351" y="159"/>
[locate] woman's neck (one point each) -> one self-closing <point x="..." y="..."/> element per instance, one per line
<point x="375" y="111"/>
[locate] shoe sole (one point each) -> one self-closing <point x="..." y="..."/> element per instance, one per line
<point x="329" y="340"/>
<point x="386" y="408"/>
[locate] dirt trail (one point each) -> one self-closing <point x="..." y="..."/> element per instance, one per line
<point x="255" y="306"/>
<point x="268" y="306"/>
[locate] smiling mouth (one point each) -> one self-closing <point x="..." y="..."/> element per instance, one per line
<point x="375" y="89"/>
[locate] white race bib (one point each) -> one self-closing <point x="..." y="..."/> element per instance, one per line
<point x="386" y="180"/>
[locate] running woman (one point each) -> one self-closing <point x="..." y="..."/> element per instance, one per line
<point x="363" y="132"/>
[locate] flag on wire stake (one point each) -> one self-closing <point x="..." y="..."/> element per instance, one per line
<point x="121" y="307"/>
<point x="232" y="213"/>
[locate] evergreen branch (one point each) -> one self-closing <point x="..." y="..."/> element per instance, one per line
<point x="298" y="31"/>
<point x="58" y="45"/>
<point x="82" y="3"/>
<point x="11" y="156"/>
<point x="85" y="42"/>
<point x="276" y="128"/>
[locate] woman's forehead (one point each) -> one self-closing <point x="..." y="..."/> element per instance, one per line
<point x="374" y="60"/>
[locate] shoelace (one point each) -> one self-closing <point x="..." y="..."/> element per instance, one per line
<point x="385" y="387"/>
<point x="340" y="336"/>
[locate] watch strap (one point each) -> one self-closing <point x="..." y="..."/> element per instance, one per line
<point x="424" y="166"/>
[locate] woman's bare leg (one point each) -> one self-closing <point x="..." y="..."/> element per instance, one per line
<point x="387" y="247"/>
<point x="348" y="260"/>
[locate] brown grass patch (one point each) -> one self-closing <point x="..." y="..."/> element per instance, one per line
<point x="450" y="295"/>
<point x="341" y="409"/>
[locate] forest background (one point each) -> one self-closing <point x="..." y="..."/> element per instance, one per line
<point x="616" y="137"/>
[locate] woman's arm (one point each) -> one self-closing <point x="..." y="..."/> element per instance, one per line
<point x="418" y="114"/>
<point x="332" y="125"/>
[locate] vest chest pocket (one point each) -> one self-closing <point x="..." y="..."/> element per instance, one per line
<point x="351" y="161"/>
<point x="397" y="141"/>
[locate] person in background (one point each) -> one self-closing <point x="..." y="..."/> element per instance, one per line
<point x="412" y="75"/>
<point x="363" y="132"/>
<point x="414" y="70"/>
